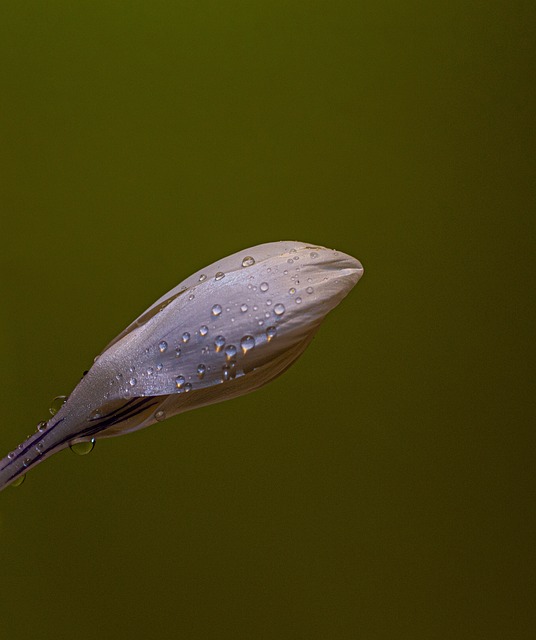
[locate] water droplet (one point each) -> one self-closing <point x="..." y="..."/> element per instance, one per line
<point x="160" y="415"/>
<point x="247" y="343"/>
<point x="18" y="481"/>
<point x="132" y="382"/>
<point x="202" y="277"/>
<point x="39" y="447"/>
<point x="150" y="371"/>
<point x="203" y="330"/>
<point x="178" y="352"/>
<point x="230" y="351"/>
<point x="309" y="289"/>
<point x="248" y="261"/>
<point x="264" y="286"/>
<point x="216" y="310"/>
<point x="313" y="254"/>
<point x="185" y="337"/>
<point x="42" y="426"/>
<point x="226" y="372"/>
<point x="187" y="387"/>
<point x="132" y="369"/>
<point x="179" y="381"/>
<point x="11" y="455"/>
<point x="57" y="404"/>
<point x="219" y="275"/>
<point x="159" y="367"/>
<point x="191" y="296"/>
<point x="162" y="346"/>
<point x="290" y="261"/>
<point x="279" y="309"/>
<point x="268" y="303"/>
<point x="201" y="370"/>
<point x="243" y="308"/>
<point x="292" y="291"/>
<point x="26" y="462"/>
<point x="83" y="448"/>
<point x="271" y="332"/>
<point x="219" y="343"/>
<point x="298" y="300"/>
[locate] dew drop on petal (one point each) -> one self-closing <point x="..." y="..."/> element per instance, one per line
<point x="203" y="330"/>
<point x="226" y="372"/>
<point x="248" y="261"/>
<point x="162" y="346"/>
<point x="298" y="300"/>
<point x="216" y="310"/>
<point x="264" y="286"/>
<point x="18" y="481"/>
<point x="187" y="387"/>
<point x="230" y="351"/>
<point x="160" y="415"/>
<point x="177" y="352"/>
<point x="271" y="333"/>
<point x="179" y="382"/>
<point x="83" y="448"/>
<point x="247" y="343"/>
<point x="202" y="277"/>
<point x="309" y="290"/>
<point x="42" y="426"/>
<point x="201" y="370"/>
<point x="243" y="308"/>
<point x="57" y="404"/>
<point x="219" y="343"/>
<point x="219" y="275"/>
<point x="26" y="462"/>
<point x="292" y="291"/>
<point x="185" y="337"/>
<point x="279" y="309"/>
<point x="132" y="382"/>
<point x="159" y="367"/>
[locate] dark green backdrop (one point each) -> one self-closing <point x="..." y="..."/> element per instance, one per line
<point x="382" y="488"/>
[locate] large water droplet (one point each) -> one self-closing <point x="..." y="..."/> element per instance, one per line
<point x="18" y="481"/>
<point x="11" y="455"/>
<point x="219" y="275"/>
<point x="230" y="351"/>
<point x="216" y="310"/>
<point x="292" y="291"/>
<point x="178" y="352"/>
<point x="263" y="286"/>
<point x="219" y="343"/>
<point x="83" y="448"/>
<point x="298" y="300"/>
<point x="247" y="343"/>
<point x="226" y="372"/>
<point x="248" y="261"/>
<point x="179" y="381"/>
<point x="309" y="290"/>
<point x="203" y="330"/>
<point x="132" y="382"/>
<point x="279" y="309"/>
<point x="57" y="404"/>
<point x="201" y="370"/>
<point x="243" y="308"/>
<point x="26" y="462"/>
<point x="162" y="346"/>
<point x="42" y="426"/>
<point x="160" y="415"/>
<point x="202" y="277"/>
<point x="187" y="387"/>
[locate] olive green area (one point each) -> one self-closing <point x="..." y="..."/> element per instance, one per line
<point x="384" y="486"/>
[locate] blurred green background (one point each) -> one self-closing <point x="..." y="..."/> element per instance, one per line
<point x="381" y="488"/>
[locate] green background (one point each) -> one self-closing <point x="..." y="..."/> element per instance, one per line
<point x="383" y="487"/>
